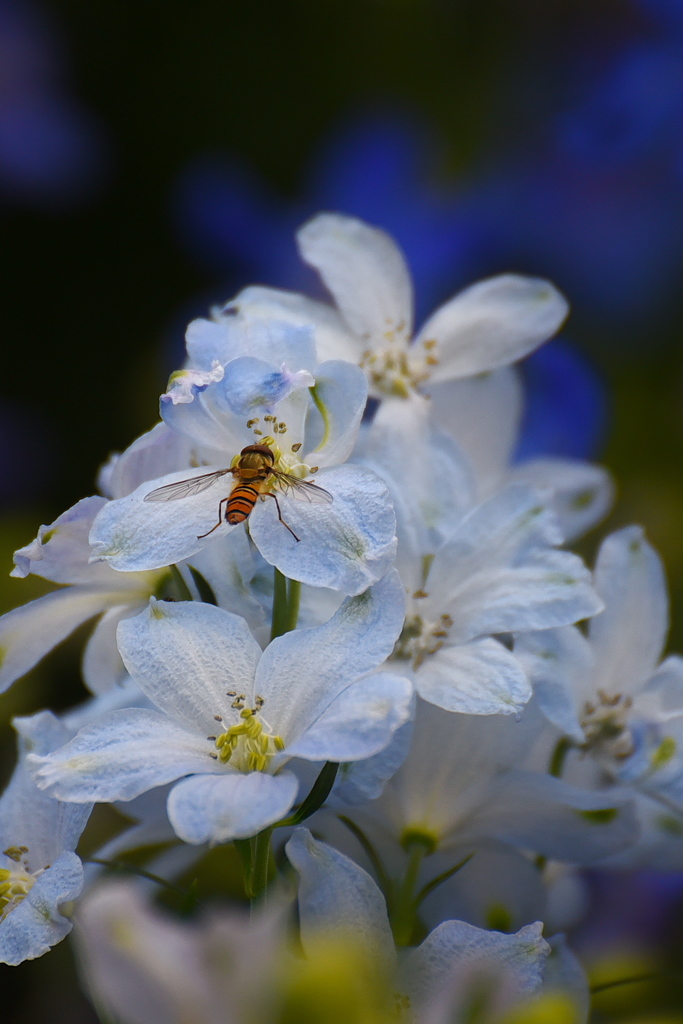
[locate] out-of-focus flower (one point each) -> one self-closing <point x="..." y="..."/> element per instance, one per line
<point x="39" y="872"/>
<point x="50" y="147"/>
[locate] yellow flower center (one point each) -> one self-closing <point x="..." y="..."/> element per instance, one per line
<point x="249" y="745"/>
<point x="399" y="368"/>
<point x="15" y="883"/>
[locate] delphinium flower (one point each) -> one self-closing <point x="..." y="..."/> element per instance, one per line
<point x="144" y="966"/>
<point x="608" y="692"/>
<point x="444" y="371"/>
<point x="307" y="696"/>
<point x="307" y="414"/>
<point x="469" y="784"/>
<point x="39" y="872"/>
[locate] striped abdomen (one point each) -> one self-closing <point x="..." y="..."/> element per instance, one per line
<point x="240" y="503"/>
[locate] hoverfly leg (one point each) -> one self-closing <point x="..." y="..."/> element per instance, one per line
<point x="269" y="494"/>
<point x="201" y="536"/>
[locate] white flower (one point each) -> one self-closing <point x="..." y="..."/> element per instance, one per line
<point x="464" y="784"/>
<point x="308" y="415"/>
<point x="61" y="553"/>
<point x="491" y="324"/>
<point x="609" y="692"/>
<point x="39" y="872"/>
<point x="436" y="980"/>
<point x="307" y="696"/>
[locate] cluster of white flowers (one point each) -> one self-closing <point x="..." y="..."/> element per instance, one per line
<point x="396" y="648"/>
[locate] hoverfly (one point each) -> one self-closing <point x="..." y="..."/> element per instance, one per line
<point x="252" y="471"/>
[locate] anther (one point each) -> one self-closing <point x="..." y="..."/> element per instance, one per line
<point x="420" y="593"/>
<point x="259" y="433"/>
<point x="218" y="718"/>
<point x="252" y="423"/>
<point x="296" y="447"/>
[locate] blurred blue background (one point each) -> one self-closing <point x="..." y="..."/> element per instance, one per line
<point x="156" y="158"/>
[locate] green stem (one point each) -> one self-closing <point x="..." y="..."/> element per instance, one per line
<point x="403" y="922"/>
<point x="555" y="768"/>
<point x="320" y="790"/>
<point x="286" y="598"/>
<point x="280" y="617"/>
<point x="559" y="756"/>
<point x="429" y="888"/>
<point x="372" y="855"/>
<point x="260" y="865"/>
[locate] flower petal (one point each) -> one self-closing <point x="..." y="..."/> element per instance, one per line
<point x="364" y="270"/>
<point x="483" y="415"/>
<point x="159" y="451"/>
<point x="302" y="672"/>
<point x="479" y="678"/>
<point x="211" y="809"/>
<point x="582" y="493"/>
<point x="559" y="663"/>
<point x="35" y="925"/>
<point x="29" y="632"/>
<point x="340" y="394"/>
<point x="103" y="669"/>
<point x="455" y="944"/>
<point x="120" y="756"/>
<point x="359" y="722"/>
<point x="61" y="551"/>
<point x="332" y="336"/>
<point x="346" y="545"/>
<point x="493" y="323"/>
<point x="550" y="817"/>
<point x="132" y="534"/>
<point x="186" y="655"/>
<point x="628" y="637"/>
<point x="337" y="895"/>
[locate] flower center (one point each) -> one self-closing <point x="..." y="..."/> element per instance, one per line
<point x="605" y="723"/>
<point x="419" y="639"/>
<point x="15" y="883"/>
<point x="397" y="369"/>
<point x="250" y="745"/>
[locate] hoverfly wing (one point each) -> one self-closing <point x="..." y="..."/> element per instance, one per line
<point x="301" y="490"/>
<point x="186" y="488"/>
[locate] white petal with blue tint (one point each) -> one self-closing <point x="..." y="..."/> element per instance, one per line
<point x="346" y="545"/>
<point x="217" y="809"/>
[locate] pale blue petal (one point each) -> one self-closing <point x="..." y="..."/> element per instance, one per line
<point x="302" y="672"/>
<point x="29" y="817"/>
<point x="103" y="669"/>
<point x="550" y="588"/>
<point x="250" y="385"/>
<point x="482" y="414"/>
<point x="365" y="271"/>
<point x="337" y="897"/>
<point x="122" y="755"/>
<point x="479" y="678"/>
<point x="132" y="534"/>
<point x="61" y="551"/>
<point x="564" y="973"/>
<point x="493" y="323"/>
<point x="359" y="781"/>
<point x="582" y="494"/>
<point x="210" y="809"/>
<point x="186" y="655"/>
<point x="332" y="336"/>
<point x="627" y="639"/>
<point x="455" y="944"/>
<point x="347" y="545"/>
<point x="548" y="816"/>
<point x="30" y="632"/>
<point x="359" y="722"/>
<point x="662" y="696"/>
<point x="559" y="663"/>
<point x="35" y="925"/>
<point x="341" y="392"/>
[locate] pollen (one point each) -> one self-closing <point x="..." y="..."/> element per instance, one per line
<point x="605" y="724"/>
<point x="15" y="882"/>
<point x="250" y="744"/>
<point x="420" y="639"/>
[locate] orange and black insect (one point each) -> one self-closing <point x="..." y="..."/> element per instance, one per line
<point x="253" y="472"/>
